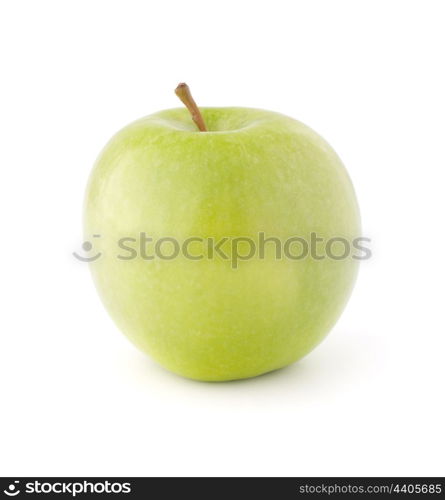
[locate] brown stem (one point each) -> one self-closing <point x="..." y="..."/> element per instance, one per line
<point x="183" y="92"/>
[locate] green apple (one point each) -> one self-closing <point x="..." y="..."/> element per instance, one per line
<point x="249" y="172"/>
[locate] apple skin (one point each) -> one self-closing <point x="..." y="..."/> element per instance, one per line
<point x="253" y="171"/>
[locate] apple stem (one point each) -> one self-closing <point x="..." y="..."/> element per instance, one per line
<point x="183" y="92"/>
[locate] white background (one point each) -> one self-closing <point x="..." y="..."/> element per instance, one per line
<point x="76" y="397"/>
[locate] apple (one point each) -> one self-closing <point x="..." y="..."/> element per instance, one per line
<point x="211" y="174"/>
